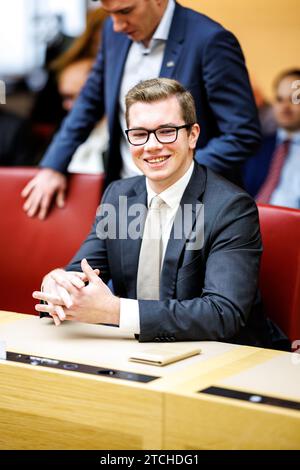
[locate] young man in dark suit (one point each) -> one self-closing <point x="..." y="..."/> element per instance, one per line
<point x="181" y="244"/>
<point x="144" y="39"/>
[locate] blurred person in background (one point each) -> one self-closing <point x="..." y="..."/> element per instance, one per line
<point x="15" y="140"/>
<point x="272" y="176"/>
<point x="86" y="45"/>
<point x="265" y="110"/>
<point x="88" y="156"/>
<point x="71" y="79"/>
<point x="48" y="110"/>
<point x="145" y="39"/>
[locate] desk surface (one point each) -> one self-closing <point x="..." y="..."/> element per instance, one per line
<point x="226" y="364"/>
<point x="95" y="345"/>
<point x="163" y="413"/>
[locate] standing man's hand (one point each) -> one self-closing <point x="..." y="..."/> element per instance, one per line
<point x="40" y="191"/>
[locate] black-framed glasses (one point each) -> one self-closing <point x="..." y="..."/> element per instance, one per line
<point x="164" y="134"/>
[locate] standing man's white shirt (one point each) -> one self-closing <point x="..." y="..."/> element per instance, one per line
<point x="129" y="308"/>
<point x="142" y="63"/>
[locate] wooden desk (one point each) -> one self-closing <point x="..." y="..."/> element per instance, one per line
<point x="44" y="408"/>
<point x="208" y="421"/>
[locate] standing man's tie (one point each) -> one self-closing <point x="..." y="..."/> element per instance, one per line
<point x="150" y="254"/>
<point x="273" y="177"/>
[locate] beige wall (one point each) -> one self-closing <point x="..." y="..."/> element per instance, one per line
<point x="269" y="32"/>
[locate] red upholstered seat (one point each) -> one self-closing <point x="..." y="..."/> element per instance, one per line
<point x="29" y="248"/>
<point x="280" y="269"/>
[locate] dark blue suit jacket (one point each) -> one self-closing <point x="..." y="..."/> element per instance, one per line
<point x="257" y="167"/>
<point x="206" y="293"/>
<point x="207" y="60"/>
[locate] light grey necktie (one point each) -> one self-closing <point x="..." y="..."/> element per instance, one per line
<point x="150" y="253"/>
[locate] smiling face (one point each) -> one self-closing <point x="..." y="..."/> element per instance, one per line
<point x="138" y="19"/>
<point x="162" y="164"/>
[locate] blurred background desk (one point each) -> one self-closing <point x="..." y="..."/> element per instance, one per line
<point x="49" y="408"/>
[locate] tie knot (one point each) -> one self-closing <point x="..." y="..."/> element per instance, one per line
<point x="285" y="144"/>
<point x="157" y="202"/>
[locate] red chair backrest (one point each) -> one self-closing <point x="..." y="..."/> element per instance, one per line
<point x="29" y="248"/>
<point x="280" y="269"/>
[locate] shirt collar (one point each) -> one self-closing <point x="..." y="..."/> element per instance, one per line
<point x="173" y="194"/>
<point x="282" y="135"/>
<point x="162" y="31"/>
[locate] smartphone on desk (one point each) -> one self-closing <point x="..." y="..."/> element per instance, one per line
<point x="161" y="357"/>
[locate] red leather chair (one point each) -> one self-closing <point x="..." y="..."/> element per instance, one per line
<point x="280" y="269"/>
<point x="29" y="248"/>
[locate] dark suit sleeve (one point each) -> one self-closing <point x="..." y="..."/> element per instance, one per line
<point x="231" y="100"/>
<point x="86" y="112"/>
<point x="94" y="248"/>
<point x="230" y="284"/>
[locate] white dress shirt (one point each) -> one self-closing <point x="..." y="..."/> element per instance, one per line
<point x="129" y="308"/>
<point x="142" y="63"/>
<point x="287" y="192"/>
<point x="88" y="158"/>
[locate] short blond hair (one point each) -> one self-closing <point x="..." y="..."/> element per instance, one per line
<point x="159" y="89"/>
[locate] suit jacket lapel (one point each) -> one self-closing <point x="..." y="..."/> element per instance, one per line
<point x="130" y="247"/>
<point x="174" y="43"/>
<point x="192" y="196"/>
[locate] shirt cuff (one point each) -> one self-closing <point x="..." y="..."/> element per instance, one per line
<point x="129" y="316"/>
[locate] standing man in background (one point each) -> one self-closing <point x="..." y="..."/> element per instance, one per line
<point x="145" y="39"/>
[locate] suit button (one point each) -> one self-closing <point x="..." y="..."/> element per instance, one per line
<point x="157" y="339"/>
<point x="172" y="338"/>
